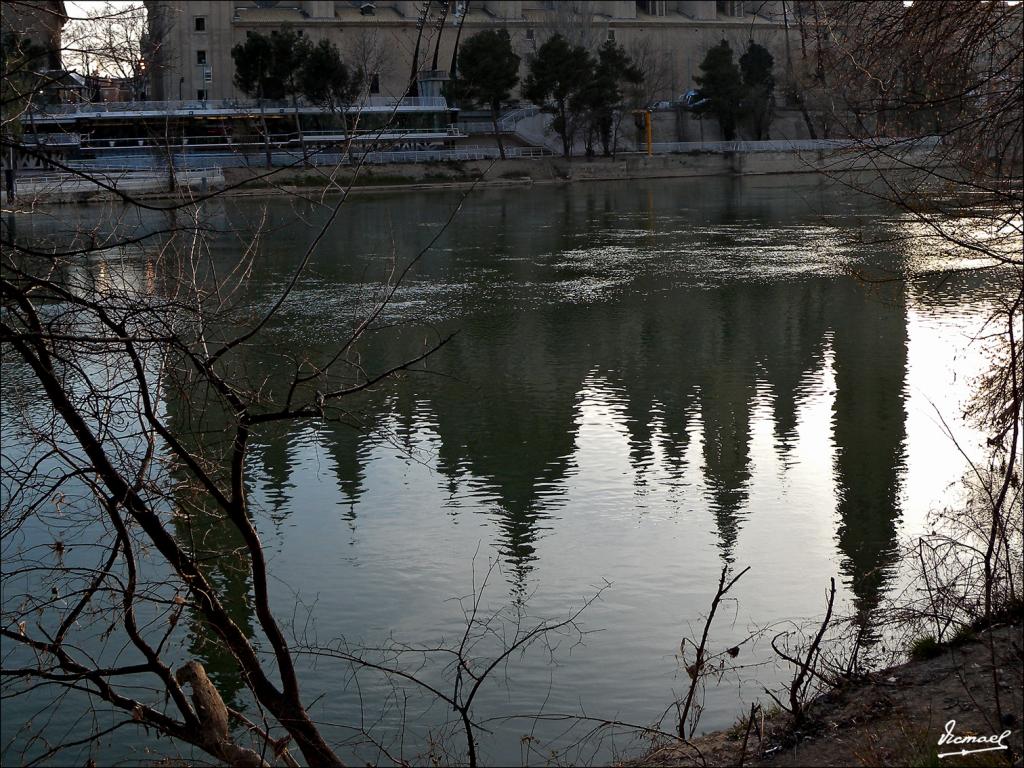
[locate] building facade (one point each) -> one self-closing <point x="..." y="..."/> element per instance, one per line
<point x="394" y="41"/>
<point x="40" y="22"/>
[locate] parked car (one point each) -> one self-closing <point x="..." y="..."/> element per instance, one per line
<point x="693" y="99"/>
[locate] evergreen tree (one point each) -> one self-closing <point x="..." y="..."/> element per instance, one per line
<point x="559" y="75"/>
<point x="325" y="80"/>
<point x="722" y="86"/>
<point x="268" y="68"/>
<point x="604" y="95"/>
<point x="488" y="70"/>
<point x="254" y="65"/>
<point x="759" y="87"/>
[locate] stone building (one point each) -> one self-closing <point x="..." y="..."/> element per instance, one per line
<point x="40" y="22"/>
<point x="192" y="39"/>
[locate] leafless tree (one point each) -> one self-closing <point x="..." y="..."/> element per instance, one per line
<point x="366" y="50"/>
<point x="948" y="77"/>
<point x="108" y="42"/>
<point x="937" y="91"/>
<point x="142" y="444"/>
<point x="577" y="22"/>
<point x="126" y="490"/>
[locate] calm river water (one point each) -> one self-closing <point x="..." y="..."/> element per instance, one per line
<point x="650" y="380"/>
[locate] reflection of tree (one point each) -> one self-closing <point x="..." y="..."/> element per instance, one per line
<point x="674" y="355"/>
<point x="870" y="366"/>
<point x="795" y="323"/>
<point x="346" y="444"/>
<point x="509" y="422"/>
<point x="218" y="549"/>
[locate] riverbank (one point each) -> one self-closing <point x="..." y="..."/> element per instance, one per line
<point x="894" y="717"/>
<point x="556" y="170"/>
<point x="257" y="181"/>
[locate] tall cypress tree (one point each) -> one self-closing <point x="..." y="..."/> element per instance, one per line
<point x="722" y="86"/>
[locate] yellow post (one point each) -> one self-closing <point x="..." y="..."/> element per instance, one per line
<point x="650" y="133"/>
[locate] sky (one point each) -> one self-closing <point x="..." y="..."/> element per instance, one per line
<point x="78" y="9"/>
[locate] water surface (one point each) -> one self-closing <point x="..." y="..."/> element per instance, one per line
<point x="649" y="380"/>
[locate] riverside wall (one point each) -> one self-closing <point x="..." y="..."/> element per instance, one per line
<point x="377" y="178"/>
<point x="624" y="167"/>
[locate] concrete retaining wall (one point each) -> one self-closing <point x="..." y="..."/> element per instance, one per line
<point x="631" y="166"/>
<point x="537" y="171"/>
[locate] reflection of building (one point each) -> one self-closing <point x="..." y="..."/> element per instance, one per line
<point x="193" y="38"/>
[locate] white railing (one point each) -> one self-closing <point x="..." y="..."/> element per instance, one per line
<point x="98" y="180"/>
<point x="446" y="155"/>
<point x="509" y="121"/>
<point x="375" y="103"/>
<point x="449" y="131"/>
<point x="111" y="175"/>
<point x="276" y="139"/>
<point x="506" y="124"/>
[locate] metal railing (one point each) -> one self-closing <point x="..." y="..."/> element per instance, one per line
<point x="276" y="139"/>
<point x="447" y="155"/>
<point x="109" y="174"/>
<point x="509" y="121"/>
<point x="375" y="103"/>
<point x="133" y="179"/>
<point x="506" y="124"/>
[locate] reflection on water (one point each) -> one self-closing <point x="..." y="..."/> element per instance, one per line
<point x="649" y="380"/>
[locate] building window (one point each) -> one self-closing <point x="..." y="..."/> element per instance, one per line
<point x="611" y="35"/>
<point x="375" y="83"/>
<point x="201" y="94"/>
<point x="653" y="7"/>
<point x="201" y="57"/>
<point x="200" y="23"/>
<point x="529" y="33"/>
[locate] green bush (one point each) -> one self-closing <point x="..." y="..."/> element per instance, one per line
<point x="925" y="647"/>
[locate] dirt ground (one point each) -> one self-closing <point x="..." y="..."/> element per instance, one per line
<point x="893" y="718"/>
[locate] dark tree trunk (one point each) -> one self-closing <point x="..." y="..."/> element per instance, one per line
<point x="797" y="95"/>
<point x="440" y="34"/>
<point x="566" y="141"/>
<point x="458" y="36"/>
<point x="413" y="85"/>
<point x="497" y="133"/>
<point x="298" y="128"/>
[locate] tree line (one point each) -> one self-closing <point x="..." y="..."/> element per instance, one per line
<point x="587" y="94"/>
<point x="286" y="65"/>
<point x="731" y="93"/>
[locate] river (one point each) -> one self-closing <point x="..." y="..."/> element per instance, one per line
<point x="649" y="380"/>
